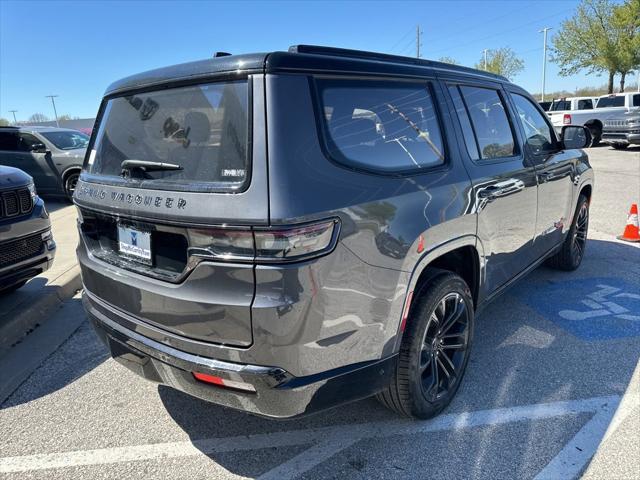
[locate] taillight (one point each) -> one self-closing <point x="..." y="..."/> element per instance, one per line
<point x="294" y="243"/>
<point x="280" y="244"/>
<point x="566" y="119"/>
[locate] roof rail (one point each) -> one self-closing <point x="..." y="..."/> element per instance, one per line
<point x="366" y="55"/>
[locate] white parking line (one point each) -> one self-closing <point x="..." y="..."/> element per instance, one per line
<point x="317" y="438"/>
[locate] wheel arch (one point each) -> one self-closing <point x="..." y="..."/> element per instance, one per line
<point x="463" y="256"/>
<point x="69" y="170"/>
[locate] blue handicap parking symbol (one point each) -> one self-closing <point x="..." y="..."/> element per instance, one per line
<point x="591" y="308"/>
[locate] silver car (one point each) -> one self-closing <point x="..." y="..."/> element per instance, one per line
<point x="52" y="156"/>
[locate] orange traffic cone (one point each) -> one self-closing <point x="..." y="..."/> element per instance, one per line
<point x="631" y="231"/>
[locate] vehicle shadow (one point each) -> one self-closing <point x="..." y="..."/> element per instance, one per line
<point x="525" y="353"/>
<point x="55" y="203"/>
<point x="79" y="354"/>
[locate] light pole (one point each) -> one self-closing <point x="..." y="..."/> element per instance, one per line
<point x="418" y="42"/>
<point x="485" y="57"/>
<point x="544" y="59"/>
<point x="15" y="122"/>
<point x="54" y="107"/>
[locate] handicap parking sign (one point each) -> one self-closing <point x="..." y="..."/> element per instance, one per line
<point x="589" y="308"/>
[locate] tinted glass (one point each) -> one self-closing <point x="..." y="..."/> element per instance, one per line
<point x="490" y="122"/>
<point x="465" y="123"/>
<point x="381" y="125"/>
<point x="538" y="134"/>
<point x="615" y="101"/>
<point x="636" y="100"/>
<point x="203" y="129"/>
<point x="26" y="142"/>
<point x="8" y="141"/>
<point x="67" y="140"/>
<point x="558" y="105"/>
<point x="585" y="104"/>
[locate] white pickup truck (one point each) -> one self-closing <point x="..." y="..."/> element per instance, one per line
<point x="607" y="106"/>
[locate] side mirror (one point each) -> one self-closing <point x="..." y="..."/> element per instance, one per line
<point x="39" y="148"/>
<point x="575" y="136"/>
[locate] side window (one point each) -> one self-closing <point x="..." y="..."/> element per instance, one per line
<point x="26" y="142"/>
<point x="8" y="141"/>
<point x="465" y="123"/>
<point x="380" y="125"/>
<point x="636" y="100"/>
<point x="538" y="133"/>
<point x="586" y="104"/>
<point x="490" y="122"/>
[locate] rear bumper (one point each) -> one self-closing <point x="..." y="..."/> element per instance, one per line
<point x="618" y="136"/>
<point x="278" y="394"/>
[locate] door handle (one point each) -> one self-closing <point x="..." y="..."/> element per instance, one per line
<point x="501" y="189"/>
<point x="546" y="176"/>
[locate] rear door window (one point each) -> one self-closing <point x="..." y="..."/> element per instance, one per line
<point x="585" y="104"/>
<point x="490" y="122"/>
<point x="8" y="141"/>
<point x="382" y="126"/>
<point x="636" y="100"/>
<point x="204" y="129"/>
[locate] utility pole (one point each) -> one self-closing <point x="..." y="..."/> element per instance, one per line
<point x="485" y="58"/>
<point x="15" y="122"/>
<point x="418" y="33"/>
<point x="54" y="107"/>
<point x="544" y="60"/>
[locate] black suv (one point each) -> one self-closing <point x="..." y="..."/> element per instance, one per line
<point x="26" y="244"/>
<point x="282" y="232"/>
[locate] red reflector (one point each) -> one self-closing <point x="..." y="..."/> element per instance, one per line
<point x="420" y="244"/>
<point x="204" y="377"/>
<point x="566" y="119"/>
<point x="405" y="313"/>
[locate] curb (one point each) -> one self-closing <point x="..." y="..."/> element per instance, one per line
<point x="14" y="329"/>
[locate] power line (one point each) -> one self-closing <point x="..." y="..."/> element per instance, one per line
<point x="401" y="39"/>
<point x="503" y="31"/>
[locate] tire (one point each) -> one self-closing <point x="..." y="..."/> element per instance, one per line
<point x="596" y="135"/>
<point x="620" y="146"/>
<point x="570" y="255"/>
<point x="70" y="184"/>
<point x="421" y="388"/>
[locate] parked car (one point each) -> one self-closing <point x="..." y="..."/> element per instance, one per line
<point x="26" y="244"/>
<point x="566" y="105"/>
<point x="622" y="131"/>
<point x="607" y="106"/>
<point x="52" y="156"/>
<point x="210" y="213"/>
<point x="545" y="105"/>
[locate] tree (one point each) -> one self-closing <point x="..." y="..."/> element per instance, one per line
<point x="450" y="60"/>
<point x="38" y="117"/>
<point x="596" y="39"/>
<point x="626" y="22"/>
<point x="64" y="117"/>
<point x="4" y="122"/>
<point x="502" y="61"/>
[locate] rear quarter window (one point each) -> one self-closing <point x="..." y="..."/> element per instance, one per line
<point x="381" y="126"/>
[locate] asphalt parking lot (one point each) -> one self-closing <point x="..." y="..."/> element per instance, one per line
<point x="552" y="391"/>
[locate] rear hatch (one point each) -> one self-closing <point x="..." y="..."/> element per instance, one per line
<point x="168" y="169"/>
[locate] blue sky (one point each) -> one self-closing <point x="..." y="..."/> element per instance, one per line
<point x="75" y="49"/>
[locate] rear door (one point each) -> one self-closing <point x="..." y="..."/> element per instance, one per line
<point x="504" y="184"/>
<point x="555" y="170"/>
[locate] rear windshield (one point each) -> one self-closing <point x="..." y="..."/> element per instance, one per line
<point x="604" y="102"/>
<point x="203" y="129"/>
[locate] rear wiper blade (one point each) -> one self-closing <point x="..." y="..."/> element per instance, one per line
<point x="147" y="166"/>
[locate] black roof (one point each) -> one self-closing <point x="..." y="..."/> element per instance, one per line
<point x="298" y="58"/>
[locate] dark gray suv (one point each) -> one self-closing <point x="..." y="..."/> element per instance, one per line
<point x="52" y="156"/>
<point x="26" y="244"/>
<point x="284" y="232"/>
